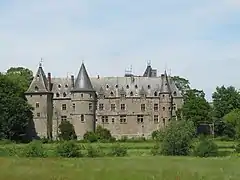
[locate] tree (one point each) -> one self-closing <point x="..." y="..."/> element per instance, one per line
<point x="67" y="131"/>
<point x="182" y="84"/>
<point x="225" y="100"/>
<point x="14" y="109"/>
<point x="21" y="76"/>
<point x="232" y="123"/>
<point x="196" y="108"/>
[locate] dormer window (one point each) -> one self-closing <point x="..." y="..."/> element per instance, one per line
<point x="155" y="93"/>
<point x="127" y="86"/>
<point x="66" y="86"/>
<point x="136" y="86"/>
<point x="107" y="86"/>
<point x="149" y="86"/>
<point x="116" y="86"/>
<point x="36" y="88"/>
<point x="111" y="93"/>
<point x="131" y="93"/>
<point x="175" y="93"/>
<point x="59" y="86"/>
<point x="38" y="77"/>
<point x="64" y="94"/>
<point x="57" y="94"/>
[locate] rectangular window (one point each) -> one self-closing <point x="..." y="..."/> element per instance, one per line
<point x="74" y="106"/>
<point x="163" y="108"/>
<point x="37" y="105"/>
<point x="82" y="118"/>
<point x="143" y="107"/>
<point x="155" y="107"/>
<point x="155" y="119"/>
<point x="64" y="107"/>
<point x="105" y="119"/>
<point x="123" y="119"/>
<point x="101" y="107"/>
<point x="63" y="118"/>
<point x="90" y="106"/>
<point x="38" y="114"/>
<point x="139" y="118"/>
<point x="123" y="106"/>
<point x="113" y="107"/>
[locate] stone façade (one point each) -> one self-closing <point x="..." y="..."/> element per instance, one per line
<point x="128" y="106"/>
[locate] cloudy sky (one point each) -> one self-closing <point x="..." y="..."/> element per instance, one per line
<point x="198" y="40"/>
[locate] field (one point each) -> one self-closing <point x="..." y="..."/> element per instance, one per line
<point x="139" y="165"/>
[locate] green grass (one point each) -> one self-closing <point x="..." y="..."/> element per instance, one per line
<point x="139" y="168"/>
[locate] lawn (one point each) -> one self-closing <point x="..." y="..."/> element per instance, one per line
<point x="125" y="168"/>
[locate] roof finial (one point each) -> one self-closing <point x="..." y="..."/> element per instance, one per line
<point x="149" y="62"/>
<point x="83" y="61"/>
<point x="40" y="63"/>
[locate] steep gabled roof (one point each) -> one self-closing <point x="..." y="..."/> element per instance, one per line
<point x="82" y="83"/>
<point x="39" y="82"/>
<point x="165" y="86"/>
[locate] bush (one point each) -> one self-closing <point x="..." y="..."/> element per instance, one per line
<point x="158" y="135"/>
<point x="12" y="150"/>
<point x="206" y="148"/>
<point x="178" y="137"/>
<point x="156" y="150"/>
<point x="5" y="141"/>
<point x="94" y="151"/>
<point x="67" y="131"/>
<point x="237" y="148"/>
<point x="118" y="150"/>
<point x="34" y="149"/>
<point x="68" y="149"/>
<point x="90" y="137"/>
<point x="103" y="133"/>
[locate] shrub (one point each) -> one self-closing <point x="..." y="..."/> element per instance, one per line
<point x="5" y="141"/>
<point x="237" y="148"/>
<point x="34" y="149"/>
<point x="103" y="133"/>
<point x="90" y="137"/>
<point x="93" y="151"/>
<point x="12" y="150"/>
<point x="158" y="135"/>
<point x="178" y="137"/>
<point x="206" y="148"/>
<point x="118" y="150"/>
<point x="68" y="149"/>
<point x="156" y="150"/>
<point x="67" y="131"/>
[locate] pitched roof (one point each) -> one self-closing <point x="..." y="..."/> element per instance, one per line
<point x="165" y="86"/>
<point x="82" y="82"/>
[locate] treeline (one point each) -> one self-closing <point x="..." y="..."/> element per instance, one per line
<point x="223" y="113"/>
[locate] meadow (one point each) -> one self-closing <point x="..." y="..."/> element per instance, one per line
<point x="138" y="164"/>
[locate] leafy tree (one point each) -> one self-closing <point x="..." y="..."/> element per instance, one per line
<point x="67" y="131"/>
<point x="21" y="76"/>
<point x="182" y="84"/>
<point x="178" y="137"/>
<point x="196" y="108"/>
<point x="14" y="109"/>
<point x="103" y="133"/>
<point x="225" y="100"/>
<point x="232" y="121"/>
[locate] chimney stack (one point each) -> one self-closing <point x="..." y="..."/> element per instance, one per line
<point x="49" y="82"/>
<point x="72" y="81"/>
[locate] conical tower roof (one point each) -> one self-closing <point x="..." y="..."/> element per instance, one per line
<point x="39" y="82"/>
<point x="165" y="86"/>
<point x="83" y="83"/>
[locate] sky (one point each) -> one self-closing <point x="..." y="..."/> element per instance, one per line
<point x="197" y="40"/>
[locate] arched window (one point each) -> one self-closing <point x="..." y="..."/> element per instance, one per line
<point x="131" y="93"/>
<point x="36" y="88"/>
<point x="57" y="94"/>
<point x="149" y="86"/>
<point x="111" y="93"/>
<point x="64" y="94"/>
<point x="127" y="86"/>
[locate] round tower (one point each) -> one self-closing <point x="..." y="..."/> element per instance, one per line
<point x="84" y="101"/>
<point x="165" y="100"/>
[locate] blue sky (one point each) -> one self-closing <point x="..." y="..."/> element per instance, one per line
<point x="198" y="40"/>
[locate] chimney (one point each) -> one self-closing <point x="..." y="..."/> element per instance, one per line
<point x="72" y="80"/>
<point x="49" y="82"/>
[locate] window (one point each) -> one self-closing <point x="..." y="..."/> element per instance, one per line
<point x="116" y="86"/>
<point x="107" y="86"/>
<point x="63" y="118"/>
<point x="143" y="107"/>
<point x="163" y="108"/>
<point x="82" y="118"/>
<point x="111" y="93"/>
<point x="164" y="121"/>
<point x="66" y="86"/>
<point x="155" y="93"/>
<point x="38" y="114"/>
<point x="163" y="95"/>
<point x="131" y="93"/>
<point x="174" y="107"/>
<point x="64" y="107"/>
<point x="149" y="86"/>
<point x="175" y="93"/>
<point x="136" y="86"/>
<point x="123" y="119"/>
<point x="112" y="120"/>
<point x="81" y="95"/>
<point x="59" y="86"/>
<point x="127" y="86"/>
<point x="74" y="106"/>
<point x="155" y="107"/>
<point x="37" y="105"/>
<point x="101" y="107"/>
<point x="57" y="94"/>
<point x="90" y="95"/>
<point x="64" y="94"/>
<point x="123" y="106"/>
<point x="139" y="118"/>
<point x="105" y="119"/>
<point x="113" y="107"/>
<point x="90" y="106"/>
<point x="36" y="88"/>
<point x="155" y="119"/>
